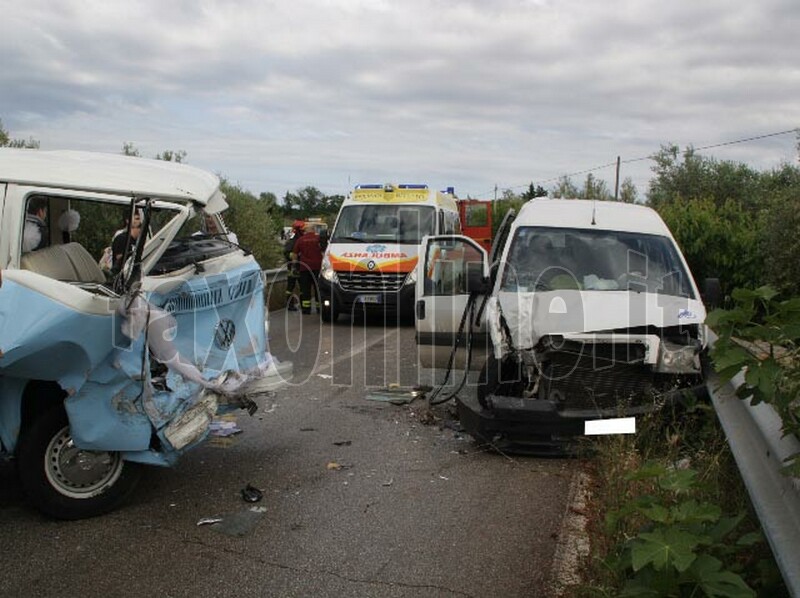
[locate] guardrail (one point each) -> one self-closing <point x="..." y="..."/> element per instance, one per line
<point x="274" y="287"/>
<point x="756" y="441"/>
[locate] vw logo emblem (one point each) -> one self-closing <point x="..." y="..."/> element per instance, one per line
<point x="370" y="265"/>
<point x="224" y="334"/>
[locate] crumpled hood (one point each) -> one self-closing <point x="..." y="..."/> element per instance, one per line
<point x="530" y="316"/>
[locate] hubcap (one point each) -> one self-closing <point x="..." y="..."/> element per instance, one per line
<point x="79" y="473"/>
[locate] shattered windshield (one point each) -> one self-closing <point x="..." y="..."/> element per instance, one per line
<point x="389" y="223"/>
<point x="544" y="259"/>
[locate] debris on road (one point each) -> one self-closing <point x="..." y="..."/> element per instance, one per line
<point x="224" y="427"/>
<point x="208" y="521"/>
<point x="343" y="443"/>
<point x="395" y="394"/>
<point x="325" y="376"/>
<point x="388" y="482"/>
<point x="251" y="494"/>
<point x="237" y="524"/>
<point x="334" y="466"/>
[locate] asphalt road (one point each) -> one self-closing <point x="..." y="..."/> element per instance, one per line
<point x="360" y="497"/>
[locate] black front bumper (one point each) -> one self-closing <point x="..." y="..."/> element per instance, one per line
<point x="348" y="302"/>
<point x="542" y="427"/>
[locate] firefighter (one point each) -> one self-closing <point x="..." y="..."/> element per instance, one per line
<point x="309" y="255"/>
<point x="292" y="265"/>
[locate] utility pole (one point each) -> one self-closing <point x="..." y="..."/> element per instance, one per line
<point x="616" y="187"/>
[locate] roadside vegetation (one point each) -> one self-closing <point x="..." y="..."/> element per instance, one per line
<point x="670" y="514"/>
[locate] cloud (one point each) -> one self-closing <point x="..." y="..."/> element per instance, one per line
<point x="470" y="94"/>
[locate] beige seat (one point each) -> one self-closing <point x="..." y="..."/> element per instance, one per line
<point x="70" y="262"/>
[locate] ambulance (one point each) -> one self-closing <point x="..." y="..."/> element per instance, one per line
<point x="371" y="258"/>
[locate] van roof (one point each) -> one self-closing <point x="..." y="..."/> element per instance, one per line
<point x="578" y="213"/>
<point x="109" y="173"/>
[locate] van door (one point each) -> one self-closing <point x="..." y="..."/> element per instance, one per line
<point x="445" y="288"/>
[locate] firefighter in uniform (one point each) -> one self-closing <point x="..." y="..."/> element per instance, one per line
<point x="309" y="254"/>
<point x="292" y="266"/>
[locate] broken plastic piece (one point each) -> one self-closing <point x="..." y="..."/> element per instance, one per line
<point x="394" y="394"/>
<point x="209" y="521"/>
<point x="251" y="494"/>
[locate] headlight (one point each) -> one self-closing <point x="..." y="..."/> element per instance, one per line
<point x="327" y="272"/>
<point x="679" y="359"/>
<point x="412" y="277"/>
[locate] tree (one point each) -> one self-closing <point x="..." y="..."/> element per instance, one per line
<point x="128" y="149"/>
<point x="628" y="192"/>
<point x="172" y="156"/>
<point x="718" y="240"/>
<point x="780" y="241"/>
<point x="310" y="201"/>
<point x="534" y="192"/>
<point x="565" y="189"/>
<point x="7" y="141"/>
<point x="249" y="217"/>
<point x="691" y="175"/>
<point x="594" y="188"/>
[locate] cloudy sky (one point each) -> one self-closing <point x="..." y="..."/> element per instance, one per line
<point x="277" y="95"/>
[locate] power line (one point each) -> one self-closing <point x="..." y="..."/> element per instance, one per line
<point x="650" y="157"/>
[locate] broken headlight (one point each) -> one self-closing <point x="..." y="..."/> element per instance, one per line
<point x="679" y="359"/>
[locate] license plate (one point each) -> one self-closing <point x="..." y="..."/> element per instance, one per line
<point x="368" y="299"/>
<point x="623" y="425"/>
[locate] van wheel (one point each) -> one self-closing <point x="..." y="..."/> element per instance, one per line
<point x="329" y="314"/>
<point x="64" y="481"/>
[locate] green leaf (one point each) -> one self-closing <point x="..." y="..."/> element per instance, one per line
<point x="691" y="511"/>
<point x="750" y="539"/>
<point x="725" y="526"/>
<point x="734" y="356"/>
<point x="651" y="469"/>
<point x="707" y="572"/>
<point x="663" y="547"/>
<point x="655" y="512"/>
<point x="678" y="480"/>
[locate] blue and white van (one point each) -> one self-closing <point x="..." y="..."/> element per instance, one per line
<point x="102" y="372"/>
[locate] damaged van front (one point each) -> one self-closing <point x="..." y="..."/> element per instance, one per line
<point x="590" y="313"/>
<point x="104" y="370"/>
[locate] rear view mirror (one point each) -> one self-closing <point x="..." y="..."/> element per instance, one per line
<point x="712" y="292"/>
<point x="476" y="281"/>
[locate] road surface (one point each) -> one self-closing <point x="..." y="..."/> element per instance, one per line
<point x="360" y="497"/>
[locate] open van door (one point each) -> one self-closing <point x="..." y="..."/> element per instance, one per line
<point x="452" y="275"/>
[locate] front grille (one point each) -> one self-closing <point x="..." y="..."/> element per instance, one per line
<point x="371" y="282"/>
<point x="599" y="377"/>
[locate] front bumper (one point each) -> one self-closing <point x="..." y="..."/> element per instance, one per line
<point x="346" y="302"/>
<point x="542" y="427"/>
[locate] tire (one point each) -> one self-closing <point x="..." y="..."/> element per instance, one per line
<point x="329" y="314"/>
<point x="46" y="460"/>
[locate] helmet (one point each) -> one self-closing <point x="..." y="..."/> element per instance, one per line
<point x="298" y="225"/>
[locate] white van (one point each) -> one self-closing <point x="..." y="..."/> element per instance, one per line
<point x="372" y="253"/>
<point x="589" y="311"/>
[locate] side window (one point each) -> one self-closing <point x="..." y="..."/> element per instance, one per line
<point x="451" y="223"/>
<point x="36" y="228"/>
<point x="446" y="264"/>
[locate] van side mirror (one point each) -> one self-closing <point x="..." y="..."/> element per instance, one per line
<point x="712" y="292"/>
<point x="476" y="281"/>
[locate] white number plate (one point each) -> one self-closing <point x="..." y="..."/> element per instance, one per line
<point x="369" y="298"/>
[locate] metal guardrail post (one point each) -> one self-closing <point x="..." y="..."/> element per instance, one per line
<point x="756" y="441"/>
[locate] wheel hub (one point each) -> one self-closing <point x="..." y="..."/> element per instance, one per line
<point x="79" y="473"/>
